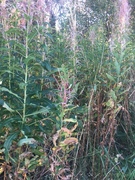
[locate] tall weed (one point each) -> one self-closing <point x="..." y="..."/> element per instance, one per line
<point x="65" y="112"/>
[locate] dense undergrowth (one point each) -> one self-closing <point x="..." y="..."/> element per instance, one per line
<point x="65" y="113"/>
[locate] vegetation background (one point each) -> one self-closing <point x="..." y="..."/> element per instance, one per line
<point x="67" y="90"/>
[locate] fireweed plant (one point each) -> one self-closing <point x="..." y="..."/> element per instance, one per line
<point x="67" y="102"/>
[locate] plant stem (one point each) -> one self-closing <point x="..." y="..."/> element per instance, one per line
<point x="9" y="66"/>
<point x="25" y="84"/>
<point x="26" y="77"/>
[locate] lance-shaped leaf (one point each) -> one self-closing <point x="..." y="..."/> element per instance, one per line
<point x="117" y="67"/>
<point x="9" y="140"/>
<point x="10" y="92"/>
<point x="3" y="104"/>
<point x="113" y="95"/>
<point x="43" y="110"/>
<point x="111" y="78"/>
<point x="27" y="141"/>
<point x="8" y="143"/>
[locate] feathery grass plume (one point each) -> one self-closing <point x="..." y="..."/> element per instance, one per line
<point x="124" y="21"/>
<point x="121" y="27"/>
<point x="124" y="15"/>
<point x="42" y="11"/>
<point x="4" y="16"/>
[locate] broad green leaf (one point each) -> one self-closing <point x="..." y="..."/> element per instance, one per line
<point x="27" y="141"/>
<point x="111" y="78"/>
<point x="43" y="110"/>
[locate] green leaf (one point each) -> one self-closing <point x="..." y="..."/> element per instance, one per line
<point x="124" y="71"/>
<point x="7" y="107"/>
<point x="3" y="104"/>
<point x="124" y="169"/>
<point x="20" y="47"/>
<point x="28" y="59"/>
<point x="32" y="35"/>
<point x="46" y="65"/>
<point x="43" y="110"/>
<point x="110" y="103"/>
<point x="49" y="35"/>
<point x="110" y="77"/>
<point x="27" y="141"/>
<point x="27" y="17"/>
<point x="113" y="95"/>
<point x="117" y="67"/>
<point x="54" y="70"/>
<point x="6" y="122"/>
<point x="7" y="90"/>
<point x="13" y="30"/>
<point x="38" y="152"/>
<point x="22" y="85"/>
<point x="122" y="55"/>
<point x="70" y="120"/>
<point x="9" y="140"/>
<point x="6" y="71"/>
